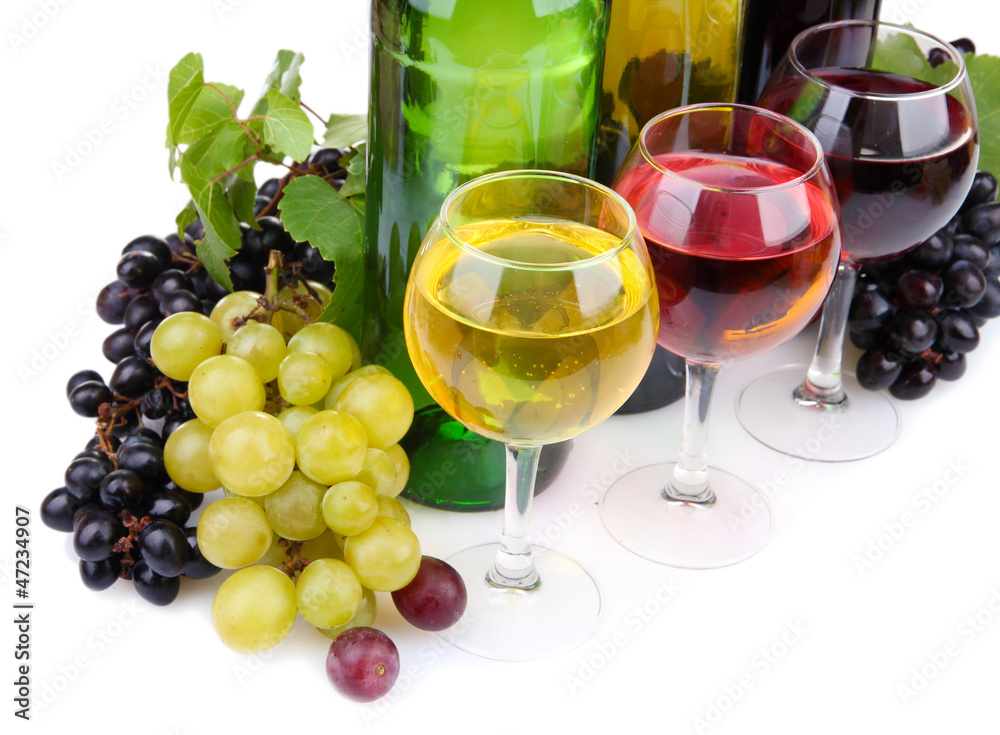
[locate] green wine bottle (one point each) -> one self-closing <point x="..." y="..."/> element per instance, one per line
<point x="462" y="88"/>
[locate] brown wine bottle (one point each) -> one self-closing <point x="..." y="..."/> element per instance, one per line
<point x="662" y="54"/>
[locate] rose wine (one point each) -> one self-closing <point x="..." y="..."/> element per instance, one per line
<point x="900" y="176"/>
<point x="530" y="355"/>
<point x="737" y="273"/>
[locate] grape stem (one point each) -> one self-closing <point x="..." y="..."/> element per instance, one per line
<point x="165" y="382"/>
<point x="252" y="158"/>
<point x="272" y="273"/>
<point x="295" y="562"/>
<point x="307" y="108"/>
<point x="273" y="204"/>
<point x="277" y="273"/>
<point x="126" y="543"/>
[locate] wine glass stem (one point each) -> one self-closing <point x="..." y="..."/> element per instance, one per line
<point x="689" y="483"/>
<point x="823" y="385"/>
<point x="513" y="567"/>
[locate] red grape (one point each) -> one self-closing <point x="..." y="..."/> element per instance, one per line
<point x="362" y="664"/>
<point x="436" y="597"/>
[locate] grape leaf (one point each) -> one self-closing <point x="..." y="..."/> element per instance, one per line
<point x="286" y="128"/>
<point x="284" y="77"/>
<point x="354" y="162"/>
<point x="900" y="53"/>
<point x="212" y="253"/>
<point x="222" y="229"/>
<point x="185" y="217"/>
<point x="182" y="73"/>
<point x="171" y="159"/>
<point x="214" y="104"/>
<point x="314" y="211"/>
<point x="234" y="147"/>
<point x="180" y="107"/>
<point x="984" y="73"/>
<point x="242" y="194"/>
<point x="345" y="130"/>
<point x="346" y="307"/>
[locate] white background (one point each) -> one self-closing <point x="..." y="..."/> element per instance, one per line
<point x="108" y="660"/>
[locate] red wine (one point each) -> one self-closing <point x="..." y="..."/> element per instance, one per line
<point x="902" y="167"/>
<point x="770" y="26"/>
<point x="737" y="273"/>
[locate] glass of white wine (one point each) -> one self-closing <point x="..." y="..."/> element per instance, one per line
<point x="531" y="315"/>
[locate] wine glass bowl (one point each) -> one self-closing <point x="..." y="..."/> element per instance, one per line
<point x="902" y="149"/>
<point x="519" y="320"/>
<point x="901" y="141"/>
<point x="739" y="227"/>
<point x="530" y="316"/>
<point x="739" y="214"/>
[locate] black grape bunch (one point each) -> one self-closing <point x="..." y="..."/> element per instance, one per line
<point x="918" y="315"/>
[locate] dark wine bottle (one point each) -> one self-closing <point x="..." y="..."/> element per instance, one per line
<point x="771" y="25"/>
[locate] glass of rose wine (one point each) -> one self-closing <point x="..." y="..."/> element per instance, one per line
<point x="738" y="211"/>
<point x="893" y="108"/>
<point x="530" y="316"/>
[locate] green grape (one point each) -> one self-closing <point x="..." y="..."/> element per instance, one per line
<point x="258" y="499"/>
<point x="233" y="532"/>
<point x="379" y="473"/>
<point x="328" y="593"/>
<point x="295" y="509"/>
<point x="293" y="417"/>
<point x="254" y="609"/>
<point x="385" y="556"/>
<point x="185" y="456"/>
<point x="252" y="453"/>
<point x="304" y="378"/>
<point x="299" y="298"/>
<point x="349" y="507"/>
<point x="224" y="386"/>
<point x="392" y="508"/>
<point x="402" y="463"/>
<point x="331" y="447"/>
<point x="329" y="341"/>
<point x="383" y="406"/>
<point x="262" y="346"/>
<point x="364" y="616"/>
<point x="232" y="306"/>
<point x="183" y="341"/>
<point x="324" y="546"/>
<point x="330" y="400"/>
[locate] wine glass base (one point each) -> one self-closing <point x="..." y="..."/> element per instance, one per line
<point x="866" y="425"/>
<point x="521" y="625"/>
<point x="690" y="536"/>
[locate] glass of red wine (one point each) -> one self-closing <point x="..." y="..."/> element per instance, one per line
<point x="893" y="108"/>
<point x="740" y="218"/>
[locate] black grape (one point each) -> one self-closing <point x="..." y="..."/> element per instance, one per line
<point x="164" y="548"/>
<point x="58" y="509"/>
<point x="96" y="535"/>
<point x="153" y="587"/>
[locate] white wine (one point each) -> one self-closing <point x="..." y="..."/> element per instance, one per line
<point x="523" y="341"/>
